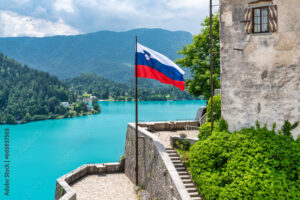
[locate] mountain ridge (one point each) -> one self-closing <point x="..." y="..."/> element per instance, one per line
<point x="109" y="54"/>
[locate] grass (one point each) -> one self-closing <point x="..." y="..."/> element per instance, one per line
<point x="185" y="157"/>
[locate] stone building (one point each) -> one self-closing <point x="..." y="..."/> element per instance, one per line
<point x="260" y="62"/>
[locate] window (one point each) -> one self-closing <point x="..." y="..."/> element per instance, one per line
<point x="261" y="20"/>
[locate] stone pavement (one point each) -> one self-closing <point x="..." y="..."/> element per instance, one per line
<point x="164" y="136"/>
<point x="105" y="187"/>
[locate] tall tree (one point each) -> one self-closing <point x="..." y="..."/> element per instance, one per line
<point x="197" y="59"/>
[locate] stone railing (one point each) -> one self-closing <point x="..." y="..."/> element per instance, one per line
<point x="168" y="125"/>
<point x="157" y="174"/>
<point x="64" y="191"/>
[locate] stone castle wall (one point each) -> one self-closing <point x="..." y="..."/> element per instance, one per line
<point x="157" y="173"/>
<point x="260" y="73"/>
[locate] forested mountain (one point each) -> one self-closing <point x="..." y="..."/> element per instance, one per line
<point x="29" y="95"/>
<point x="106" y="53"/>
<point x="105" y="89"/>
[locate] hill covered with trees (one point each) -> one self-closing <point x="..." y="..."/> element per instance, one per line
<point x="105" y="89"/>
<point x="29" y="95"/>
<point x="106" y="53"/>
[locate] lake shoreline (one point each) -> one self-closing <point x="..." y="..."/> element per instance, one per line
<point x="57" y="118"/>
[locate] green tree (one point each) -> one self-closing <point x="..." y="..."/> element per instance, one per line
<point x="11" y="119"/>
<point x="96" y="106"/>
<point x="217" y="108"/>
<point x="197" y="59"/>
<point x="80" y="107"/>
<point x="27" y="117"/>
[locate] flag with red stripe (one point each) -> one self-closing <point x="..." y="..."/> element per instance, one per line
<point x="153" y="65"/>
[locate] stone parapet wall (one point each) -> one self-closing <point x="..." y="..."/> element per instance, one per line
<point x="168" y="125"/>
<point x="64" y="191"/>
<point x="157" y="173"/>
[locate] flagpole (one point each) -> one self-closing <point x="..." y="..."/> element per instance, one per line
<point x="211" y="68"/>
<point x="136" y="116"/>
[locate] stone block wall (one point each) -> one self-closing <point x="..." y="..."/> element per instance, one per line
<point x="157" y="173"/>
<point x="260" y="73"/>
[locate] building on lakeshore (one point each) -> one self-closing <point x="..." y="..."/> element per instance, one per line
<point x="65" y="104"/>
<point x="260" y="62"/>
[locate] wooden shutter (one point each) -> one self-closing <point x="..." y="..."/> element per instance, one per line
<point x="249" y="20"/>
<point x="273" y="18"/>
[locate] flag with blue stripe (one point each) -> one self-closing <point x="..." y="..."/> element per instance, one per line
<point x="153" y="65"/>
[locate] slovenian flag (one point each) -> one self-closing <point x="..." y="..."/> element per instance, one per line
<point x="151" y="64"/>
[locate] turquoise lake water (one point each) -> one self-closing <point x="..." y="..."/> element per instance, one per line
<point x="41" y="152"/>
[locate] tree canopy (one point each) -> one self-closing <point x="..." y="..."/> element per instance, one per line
<point x="197" y="59"/>
<point x="106" y="89"/>
<point x="30" y="95"/>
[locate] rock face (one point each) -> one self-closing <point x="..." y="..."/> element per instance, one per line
<point x="260" y="73"/>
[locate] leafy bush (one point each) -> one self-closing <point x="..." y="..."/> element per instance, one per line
<point x="205" y="129"/>
<point x="223" y="125"/>
<point x="249" y="164"/>
<point x="288" y="127"/>
<point x="217" y="108"/>
<point x="183" y="144"/>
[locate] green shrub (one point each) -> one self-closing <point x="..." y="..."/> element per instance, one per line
<point x="249" y="164"/>
<point x="182" y="144"/>
<point x="223" y="125"/>
<point x="288" y="127"/>
<point x="205" y="130"/>
<point x="217" y="108"/>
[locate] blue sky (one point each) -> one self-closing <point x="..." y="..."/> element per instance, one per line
<point x="68" y="17"/>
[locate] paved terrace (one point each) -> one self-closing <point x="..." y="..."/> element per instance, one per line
<point x="105" y="187"/>
<point x="164" y="136"/>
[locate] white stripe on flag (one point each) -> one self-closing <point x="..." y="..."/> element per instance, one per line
<point x="159" y="57"/>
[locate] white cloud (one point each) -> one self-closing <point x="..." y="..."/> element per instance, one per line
<point x="64" y="5"/>
<point x="13" y="25"/>
<point x="187" y="4"/>
<point x="116" y="15"/>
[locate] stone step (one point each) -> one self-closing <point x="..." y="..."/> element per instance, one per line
<point x="171" y="151"/>
<point x="173" y="155"/>
<point x="183" y="173"/>
<point x="169" y="148"/>
<point x="194" y="194"/>
<point x="189" y="185"/>
<point x="175" y="158"/>
<point x="188" y="181"/>
<point x="196" y="198"/>
<point x="185" y="177"/>
<point x="176" y="162"/>
<point x="178" y="165"/>
<point x="192" y="190"/>
<point x="180" y="169"/>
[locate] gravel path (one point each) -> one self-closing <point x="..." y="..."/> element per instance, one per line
<point x="105" y="187"/>
<point x="164" y="136"/>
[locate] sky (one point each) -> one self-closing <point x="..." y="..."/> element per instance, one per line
<point x="40" y="18"/>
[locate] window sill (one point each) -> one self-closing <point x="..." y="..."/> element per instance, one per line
<point x="261" y="34"/>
